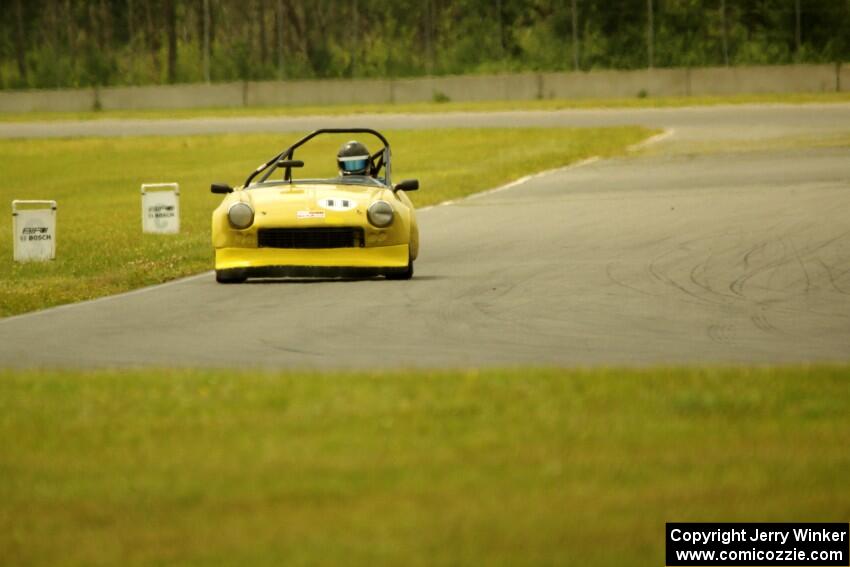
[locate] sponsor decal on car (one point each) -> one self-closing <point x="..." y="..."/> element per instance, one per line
<point x="310" y="214"/>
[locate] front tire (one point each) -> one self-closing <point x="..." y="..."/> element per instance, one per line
<point x="405" y="275"/>
<point x="230" y="276"/>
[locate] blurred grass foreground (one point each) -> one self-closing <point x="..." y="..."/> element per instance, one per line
<point x="495" y="467"/>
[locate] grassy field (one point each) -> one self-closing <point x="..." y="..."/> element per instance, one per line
<point x="545" y="467"/>
<point x="101" y="249"/>
<point x="430" y="107"/>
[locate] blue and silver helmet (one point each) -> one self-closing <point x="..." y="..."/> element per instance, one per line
<point x="353" y="159"/>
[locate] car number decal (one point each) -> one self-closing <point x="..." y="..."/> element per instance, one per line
<point x="310" y="214"/>
<point x="338" y="204"/>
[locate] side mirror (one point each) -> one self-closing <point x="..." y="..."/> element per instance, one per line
<point x="290" y="163"/>
<point x="407" y="185"/>
<point x="222" y="188"/>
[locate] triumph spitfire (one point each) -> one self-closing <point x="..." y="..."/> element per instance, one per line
<point x="355" y="225"/>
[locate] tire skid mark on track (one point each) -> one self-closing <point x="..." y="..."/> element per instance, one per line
<point x="609" y="271"/>
<point x="738" y="284"/>
<point x="662" y="276"/>
<point x="700" y="274"/>
<point x="758" y="248"/>
<point x="520" y="319"/>
<point x="490" y="310"/>
<point x="279" y="348"/>
<point x="772" y="277"/>
<point x="800" y="262"/>
<point x="832" y="278"/>
<point x="722" y="334"/>
<point x="761" y="322"/>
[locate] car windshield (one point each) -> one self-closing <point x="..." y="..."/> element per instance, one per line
<point x="315" y="159"/>
<point x="362" y="180"/>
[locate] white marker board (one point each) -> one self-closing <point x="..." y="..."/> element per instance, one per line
<point x="34" y="230"/>
<point x="161" y="208"/>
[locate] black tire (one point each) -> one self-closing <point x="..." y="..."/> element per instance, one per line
<point x="229" y="276"/>
<point x="405" y="275"/>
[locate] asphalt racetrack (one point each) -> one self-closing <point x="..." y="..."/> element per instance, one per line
<point x="694" y="123"/>
<point x="663" y="257"/>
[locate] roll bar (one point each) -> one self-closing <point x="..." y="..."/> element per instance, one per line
<point x="289" y="152"/>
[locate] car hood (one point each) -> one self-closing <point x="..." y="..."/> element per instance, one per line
<point x="292" y="199"/>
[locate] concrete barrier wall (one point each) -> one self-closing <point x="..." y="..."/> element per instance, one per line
<point x="616" y="84"/>
<point x="755" y="80"/>
<point x="522" y="86"/>
<point x="844" y="78"/>
<point x="67" y="100"/>
<point x="357" y="91"/>
<point x="224" y="95"/>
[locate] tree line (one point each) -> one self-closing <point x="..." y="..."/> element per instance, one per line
<point x="73" y="43"/>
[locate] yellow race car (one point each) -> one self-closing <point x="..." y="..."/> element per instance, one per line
<point x="355" y="225"/>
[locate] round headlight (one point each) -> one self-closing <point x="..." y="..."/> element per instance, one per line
<point x="241" y="215"/>
<point x="380" y="214"/>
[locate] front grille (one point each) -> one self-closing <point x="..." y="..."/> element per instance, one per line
<point x="319" y="237"/>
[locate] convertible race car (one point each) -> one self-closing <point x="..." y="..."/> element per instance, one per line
<point x="355" y="225"/>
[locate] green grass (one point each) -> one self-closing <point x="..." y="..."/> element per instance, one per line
<point x="545" y="467"/>
<point x="430" y="107"/>
<point x="101" y="249"/>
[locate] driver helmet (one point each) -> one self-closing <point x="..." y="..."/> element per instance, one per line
<point x="353" y="158"/>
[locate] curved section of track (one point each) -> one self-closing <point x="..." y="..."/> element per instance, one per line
<point x="711" y="259"/>
<point x="740" y="122"/>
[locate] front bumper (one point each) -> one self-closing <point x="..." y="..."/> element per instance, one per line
<point x="326" y="262"/>
<point x="240" y="274"/>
